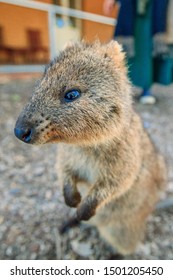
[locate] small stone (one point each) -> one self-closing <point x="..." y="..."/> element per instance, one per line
<point x="48" y="195"/>
<point x="34" y="248"/>
<point x="81" y="248"/>
<point x="15" y="191"/>
<point x="9" y="251"/>
<point x="38" y="171"/>
<point x="33" y="256"/>
<point x="1" y="219"/>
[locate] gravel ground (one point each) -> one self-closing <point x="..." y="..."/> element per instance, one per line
<point x="32" y="206"/>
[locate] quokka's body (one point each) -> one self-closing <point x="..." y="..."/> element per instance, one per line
<point x="84" y="102"/>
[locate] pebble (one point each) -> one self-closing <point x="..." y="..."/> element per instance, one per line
<point x="38" y="171"/>
<point x="34" y="247"/>
<point x="9" y="251"/>
<point x="1" y="219"/>
<point x="81" y="248"/>
<point x="48" y="195"/>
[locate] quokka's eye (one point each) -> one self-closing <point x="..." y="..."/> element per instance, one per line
<point x="72" y="95"/>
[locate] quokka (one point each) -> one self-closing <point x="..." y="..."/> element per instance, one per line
<point x="84" y="103"/>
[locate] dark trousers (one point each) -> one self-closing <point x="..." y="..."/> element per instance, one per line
<point x="127" y="15"/>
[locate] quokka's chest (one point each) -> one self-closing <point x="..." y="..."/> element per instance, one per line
<point x="83" y="165"/>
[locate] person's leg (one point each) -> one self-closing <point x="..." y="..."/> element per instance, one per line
<point x="143" y="65"/>
<point x="126" y="17"/>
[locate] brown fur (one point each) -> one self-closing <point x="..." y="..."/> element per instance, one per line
<point x="102" y="142"/>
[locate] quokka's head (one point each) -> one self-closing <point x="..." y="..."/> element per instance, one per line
<point x="82" y="98"/>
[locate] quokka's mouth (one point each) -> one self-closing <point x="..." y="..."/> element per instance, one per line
<point x="37" y="132"/>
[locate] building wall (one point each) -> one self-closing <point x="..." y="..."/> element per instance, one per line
<point x="15" y="20"/>
<point x="92" y="30"/>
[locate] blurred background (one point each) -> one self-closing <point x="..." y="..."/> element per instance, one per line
<point x="31" y="203"/>
<point x="33" y="32"/>
<point x="27" y="31"/>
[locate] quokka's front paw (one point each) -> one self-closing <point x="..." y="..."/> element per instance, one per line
<point x="85" y="212"/>
<point x="69" y="223"/>
<point x="72" y="197"/>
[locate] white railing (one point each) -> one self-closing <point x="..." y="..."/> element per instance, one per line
<point x="61" y="10"/>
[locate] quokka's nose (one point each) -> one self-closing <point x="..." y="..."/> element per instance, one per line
<point x="23" y="134"/>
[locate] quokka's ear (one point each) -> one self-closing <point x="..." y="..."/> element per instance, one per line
<point x="114" y="46"/>
<point x="114" y="50"/>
